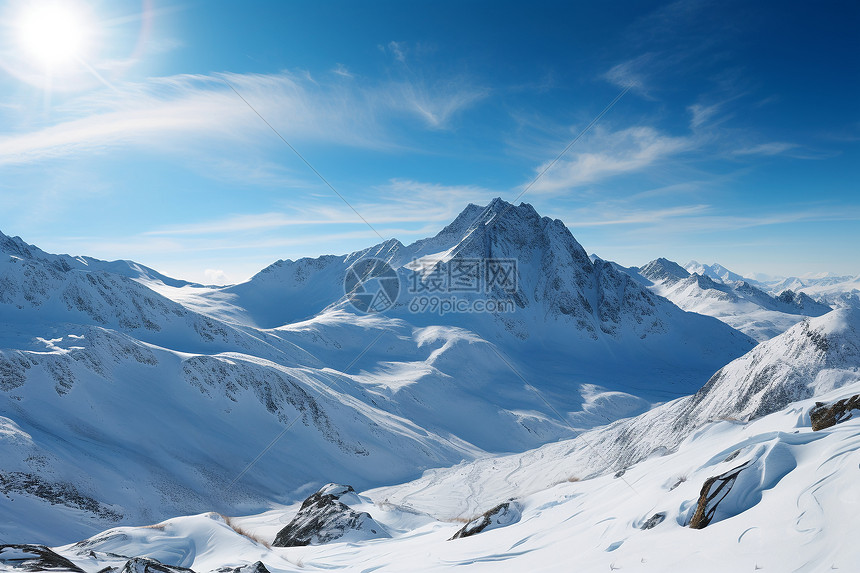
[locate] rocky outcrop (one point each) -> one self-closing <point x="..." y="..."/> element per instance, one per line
<point x="34" y="558"/>
<point x="653" y="521"/>
<point x="714" y="491"/>
<point x="502" y="515"/>
<point x="257" y="567"/>
<point x="323" y="518"/>
<point x="802" y="303"/>
<point x="148" y="565"/>
<point x="827" y="415"/>
<point x="55" y="493"/>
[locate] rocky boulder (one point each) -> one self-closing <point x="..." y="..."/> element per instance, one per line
<point x="827" y="415"/>
<point x="33" y="558"/>
<point x="502" y="515"/>
<point x="257" y="567"/>
<point x="323" y="518"/>
<point x="653" y="521"/>
<point x="713" y="492"/>
<point x="148" y="565"/>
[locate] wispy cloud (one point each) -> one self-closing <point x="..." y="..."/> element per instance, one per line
<point x="692" y="220"/>
<point x="216" y="276"/>
<point x="638" y="216"/>
<point x="343" y="71"/>
<point x="701" y="114"/>
<point x="243" y="223"/>
<point x="610" y="153"/>
<point x="772" y="148"/>
<point x="406" y="200"/>
<point x="396" y="49"/>
<point x="176" y="111"/>
<point x="181" y="113"/>
<point x="436" y="105"/>
<point x="632" y="74"/>
<point x="398" y="202"/>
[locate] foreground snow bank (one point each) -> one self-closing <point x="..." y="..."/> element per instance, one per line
<point x="789" y="509"/>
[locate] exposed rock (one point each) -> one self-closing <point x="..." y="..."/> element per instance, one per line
<point x="55" y="493"/>
<point x="257" y="567"/>
<point x="803" y="303"/>
<point x="323" y="519"/>
<point x="824" y="415"/>
<point x="148" y="565"/>
<point x="713" y="492"/>
<point x="34" y="558"/>
<point x="502" y="515"/>
<point x="653" y="521"/>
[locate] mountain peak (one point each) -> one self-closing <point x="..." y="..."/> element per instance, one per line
<point x="474" y="214"/>
<point x="715" y="271"/>
<point x="502" y="207"/>
<point x="663" y="269"/>
<point x="17" y="247"/>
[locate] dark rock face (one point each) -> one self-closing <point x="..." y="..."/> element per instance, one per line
<point x="503" y="514"/>
<point x="257" y="567"/>
<point x="827" y="415"/>
<point x="802" y="303"/>
<point x="55" y="493"/>
<point x="653" y="521"/>
<point x="34" y="558"/>
<point x="147" y="565"/>
<point x="714" y="491"/>
<point x="323" y="519"/>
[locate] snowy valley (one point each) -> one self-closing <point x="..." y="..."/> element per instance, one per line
<point x="152" y="424"/>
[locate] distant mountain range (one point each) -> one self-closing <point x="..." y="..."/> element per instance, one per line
<point x="716" y="291"/>
<point x="833" y="290"/>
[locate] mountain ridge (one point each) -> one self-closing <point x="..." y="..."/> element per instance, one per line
<point x="739" y="303"/>
<point x="90" y="360"/>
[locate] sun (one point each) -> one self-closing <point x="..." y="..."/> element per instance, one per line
<point x="54" y="33"/>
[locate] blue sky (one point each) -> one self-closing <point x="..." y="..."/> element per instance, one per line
<point x="738" y="140"/>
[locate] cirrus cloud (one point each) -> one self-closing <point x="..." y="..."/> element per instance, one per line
<point x="179" y="114"/>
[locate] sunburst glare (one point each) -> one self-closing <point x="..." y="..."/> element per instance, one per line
<point x="54" y="33"/>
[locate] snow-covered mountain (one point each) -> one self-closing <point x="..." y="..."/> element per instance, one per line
<point x="16" y="248"/>
<point x="128" y="397"/>
<point x="714" y="271"/>
<point x="816" y="357"/>
<point x="777" y="494"/>
<point x="715" y="291"/>
<point x="832" y="290"/>
<point x="837" y="291"/>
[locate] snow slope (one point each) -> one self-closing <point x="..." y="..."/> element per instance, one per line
<point x="814" y="358"/>
<point x="120" y="404"/>
<point x="789" y="509"/>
